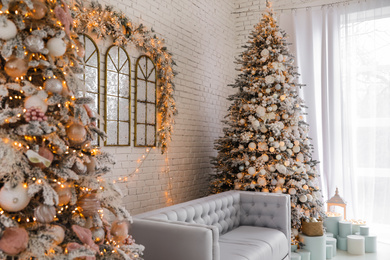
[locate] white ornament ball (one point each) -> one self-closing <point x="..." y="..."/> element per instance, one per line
<point x="292" y="191"/>
<point x="278" y="157"/>
<point x="300" y="157"/>
<point x="56" y="47"/>
<point x="274" y="182"/>
<point x="252" y="170"/>
<point x="309" y="197"/>
<point x="253" y="158"/>
<point x="271" y="168"/>
<point x="240" y="175"/>
<point x="294" y="232"/>
<point x="261" y="181"/>
<point x="255" y="123"/>
<point x="262" y="172"/>
<point x="303" y="198"/>
<point x="260" y="111"/>
<point x="14" y="199"/>
<point x="53" y="86"/>
<point x="271" y="139"/>
<point x="252" y="145"/>
<point x="296" y="149"/>
<point x="265" y="158"/>
<point x="280" y="58"/>
<point x="241" y="168"/>
<point x="281" y="181"/>
<point x="246" y="163"/>
<point x="242" y="121"/>
<point x="36" y="102"/>
<point x="8" y="30"/>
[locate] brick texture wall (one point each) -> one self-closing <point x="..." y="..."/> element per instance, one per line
<point x="205" y="37"/>
<point x="201" y="35"/>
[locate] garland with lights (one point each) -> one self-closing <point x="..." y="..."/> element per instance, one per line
<point x="265" y="146"/>
<point x="105" y="22"/>
<point x="52" y="190"/>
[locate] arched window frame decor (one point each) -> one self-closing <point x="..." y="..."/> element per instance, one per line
<point x="146" y="76"/>
<point x="106" y="23"/>
<point x="107" y="95"/>
<point x="84" y="38"/>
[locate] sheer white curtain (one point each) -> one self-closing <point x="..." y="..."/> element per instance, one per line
<point x="343" y="55"/>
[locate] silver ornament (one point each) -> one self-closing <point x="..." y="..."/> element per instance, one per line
<point x="34" y="43"/>
<point x="53" y="86"/>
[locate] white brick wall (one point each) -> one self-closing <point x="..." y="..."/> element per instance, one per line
<point x="204" y="37"/>
<point x="201" y="35"/>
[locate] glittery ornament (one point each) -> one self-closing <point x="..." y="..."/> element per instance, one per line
<point x="76" y="133"/>
<point x="120" y="230"/>
<point x="44" y="213"/>
<point x="39" y="10"/>
<point x="34" y="114"/>
<point x="16" y="67"/>
<point x="56" y="47"/>
<point x="34" y="43"/>
<point x="89" y="204"/>
<point x="35" y="102"/>
<point x="53" y="86"/>
<point x="8" y="30"/>
<point x="14" y="199"/>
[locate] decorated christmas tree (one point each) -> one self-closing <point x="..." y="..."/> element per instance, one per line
<point x="52" y="193"/>
<point x="265" y="146"/>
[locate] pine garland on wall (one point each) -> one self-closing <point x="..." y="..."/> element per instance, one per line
<point x="265" y="146"/>
<point x="104" y="23"/>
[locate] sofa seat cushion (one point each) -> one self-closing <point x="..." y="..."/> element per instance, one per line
<point x="253" y="243"/>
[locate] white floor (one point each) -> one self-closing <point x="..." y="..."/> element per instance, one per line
<point x="383" y="253"/>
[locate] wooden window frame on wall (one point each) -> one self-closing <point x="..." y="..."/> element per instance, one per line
<point x="146" y="79"/>
<point x="117" y="96"/>
<point x="98" y="73"/>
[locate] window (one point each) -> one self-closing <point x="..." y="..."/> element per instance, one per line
<point x="365" y="52"/>
<point x="117" y="107"/>
<point x="91" y="77"/>
<point x="145" y="102"/>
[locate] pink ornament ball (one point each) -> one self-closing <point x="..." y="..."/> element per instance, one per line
<point x="16" y="67"/>
<point x="120" y="230"/>
<point x="45" y="213"/>
<point x="14" y="241"/>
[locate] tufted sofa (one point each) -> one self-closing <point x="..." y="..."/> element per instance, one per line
<point x="233" y="225"/>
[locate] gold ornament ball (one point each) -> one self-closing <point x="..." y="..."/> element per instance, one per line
<point x="14" y="199"/>
<point x="76" y="133"/>
<point x="8" y="30"/>
<point x="57" y="232"/>
<point x="16" y="67"/>
<point x="39" y="10"/>
<point x="64" y="193"/>
<point x="45" y="213"/>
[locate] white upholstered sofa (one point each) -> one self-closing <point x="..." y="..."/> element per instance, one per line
<point x="233" y="225"/>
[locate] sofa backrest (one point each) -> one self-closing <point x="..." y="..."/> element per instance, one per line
<point x="265" y="210"/>
<point x="220" y="210"/>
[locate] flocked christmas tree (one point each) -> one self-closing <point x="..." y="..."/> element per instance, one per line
<point x="265" y="146"/>
<point x="52" y="192"/>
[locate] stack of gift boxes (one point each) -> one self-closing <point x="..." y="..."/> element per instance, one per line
<point x="352" y="236"/>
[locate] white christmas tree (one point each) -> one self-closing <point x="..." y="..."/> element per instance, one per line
<point x="52" y="193"/>
<point x="265" y="146"/>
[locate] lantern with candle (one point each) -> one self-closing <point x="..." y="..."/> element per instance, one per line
<point x="337" y="201"/>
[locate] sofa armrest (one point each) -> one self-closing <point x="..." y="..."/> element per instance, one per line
<point x="167" y="240"/>
<point x="266" y="210"/>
